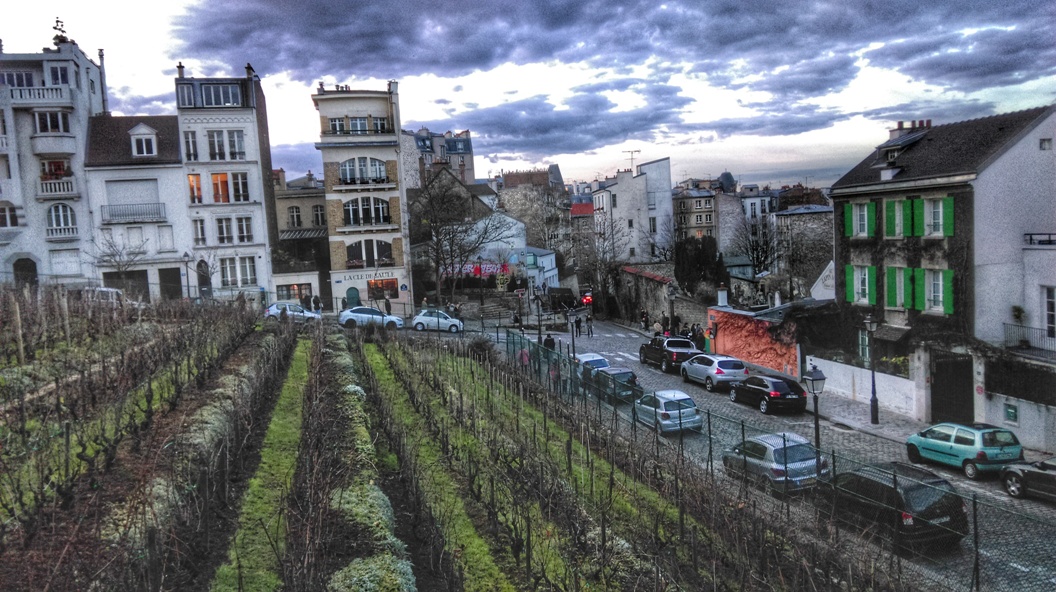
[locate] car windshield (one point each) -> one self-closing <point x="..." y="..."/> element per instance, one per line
<point x="731" y="365"/>
<point x="682" y="343"/>
<point x="999" y="438"/>
<point x="794" y="453"/>
<point x="623" y="376"/>
<point x="921" y="497"/>
<point x="779" y="386"/>
<point x="598" y="363"/>
<point x="679" y="404"/>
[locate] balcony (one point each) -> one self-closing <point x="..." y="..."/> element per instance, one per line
<point x="37" y="96"/>
<point x="60" y="188"/>
<point x="293" y="266"/>
<point x="1039" y="238"/>
<point x="368" y="221"/>
<point x="144" y="212"/>
<point x="54" y="144"/>
<point x="359" y="132"/>
<point x="62" y="233"/>
<point x="1030" y="341"/>
<point x="361" y="264"/>
<point x="353" y="184"/>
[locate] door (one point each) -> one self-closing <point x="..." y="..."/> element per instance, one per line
<point x="951" y="388"/>
<point x="352" y="297"/>
<point x="936" y="443"/>
<point x="25" y="272"/>
<point x="171" y="284"/>
<point x="205" y="280"/>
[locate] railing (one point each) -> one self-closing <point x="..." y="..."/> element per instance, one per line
<point x="133" y="212"/>
<point x="369" y="221"/>
<point x="1031" y="340"/>
<point x="361" y="264"/>
<point x="278" y="266"/>
<point x="364" y="181"/>
<point x="358" y="132"/>
<point x="1039" y="238"/>
<point x="62" y="232"/>
<point x="39" y="93"/>
<point x="63" y="187"/>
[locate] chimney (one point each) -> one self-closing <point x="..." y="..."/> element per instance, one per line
<point x="250" y="73"/>
<point x="929" y="124"/>
<point x="900" y="131"/>
<point x="179" y="70"/>
<point x="102" y="83"/>
<point x="723" y="296"/>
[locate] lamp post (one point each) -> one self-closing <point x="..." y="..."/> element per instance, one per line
<point x="815" y="380"/>
<point x="187" y="267"/>
<point x="874" y="405"/>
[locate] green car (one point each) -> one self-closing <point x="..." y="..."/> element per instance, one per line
<point x="973" y="448"/>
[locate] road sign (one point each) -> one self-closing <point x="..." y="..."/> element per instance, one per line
<point x="519" y="292"/>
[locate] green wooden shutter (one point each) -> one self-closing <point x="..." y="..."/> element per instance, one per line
<point x="889" y="217"/>
<point x="848" y="276"/>
<point x="947" y="291"/>
<point x="848" y="219"/>
<point x="907" y="218"/>
<point x="918" y="217"/>
<point x="947" y="216"/>
<point x="870" y="219"/>
<point x="872" y="283"/>
<point x="920" y="291"/>
<point x="907" y="288"/>
<point x="891" y="279"/>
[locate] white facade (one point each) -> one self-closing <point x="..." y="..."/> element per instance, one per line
<point x="638" y="205"/>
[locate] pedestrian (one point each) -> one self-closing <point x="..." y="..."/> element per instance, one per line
<point x="458" y="310"/>
<point x="590" y="326"/>
<point x="525" y="358"/>
<point x="388" y="307"/>
<point x="425" y="302"/>
<point x="344" y="303"/>
<point x="657" y="329"/>
<point x="645" y="318"/>
<point x="317" y="304"/>
<point x="676" y="322"/>
<point x="517" y="320"/>
<point x="579" y="326"/>
<point x="548" y="343"/>
<point x="664" y="321"/>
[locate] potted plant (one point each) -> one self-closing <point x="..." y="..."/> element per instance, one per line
<point x="1018" y="314"/>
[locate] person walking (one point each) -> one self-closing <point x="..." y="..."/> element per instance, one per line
<point x="317" y="304"/>
<point x="548" y="343"/>
<point x="579" y="326"/>
<point x="658" y="329"/>
<point x="590" y="326"/>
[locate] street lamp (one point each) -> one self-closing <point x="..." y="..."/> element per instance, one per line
<point x="815" y="380"/>
<point x="874" y="405"/>
<point x="187" y="267"/>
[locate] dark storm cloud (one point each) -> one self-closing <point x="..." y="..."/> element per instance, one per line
<point x="297" y="159"/>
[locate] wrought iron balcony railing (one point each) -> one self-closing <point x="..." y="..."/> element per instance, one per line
<point x="1032" y="341"/>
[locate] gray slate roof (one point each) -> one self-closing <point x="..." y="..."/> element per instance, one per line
<point x="109" y="143"/>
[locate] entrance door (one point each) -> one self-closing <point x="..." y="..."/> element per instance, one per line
<point x="352" y="297"/>
<point x="170" y="279"/>
<point x="25" y="271"/>
<point x="205" y="280"/>
<point x="951" y="388"/>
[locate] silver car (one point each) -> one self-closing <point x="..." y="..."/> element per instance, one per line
<point x="295" y="312"/>
<point x="351" y="318"/>
<point x="436" y="320"/>
<point x="780" y="463"/>
<point x="713" y="370"/>
<point x="668" y="411"/>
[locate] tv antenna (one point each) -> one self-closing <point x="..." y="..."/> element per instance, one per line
<point x="632" y="153"/>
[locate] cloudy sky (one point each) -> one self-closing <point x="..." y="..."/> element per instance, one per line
<point x="773" y="91"/>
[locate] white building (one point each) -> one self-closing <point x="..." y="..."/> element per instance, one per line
<point x="639" y="205"/>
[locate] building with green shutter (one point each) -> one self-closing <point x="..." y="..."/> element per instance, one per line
<point x="945" y="233"/>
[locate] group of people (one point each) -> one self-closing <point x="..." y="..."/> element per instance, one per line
<point x="313" y="303"/>
<point x="578" y="324"/>
<point x="665" y="326"/>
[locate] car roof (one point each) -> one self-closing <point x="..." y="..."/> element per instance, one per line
<point x="671" y="394"/>
<point x="885" y="471"/>
<point x="780" y="439"/>
<point x="584" y="357"/>
<point x="615" y="369"/>
<point x="982" y="427"/>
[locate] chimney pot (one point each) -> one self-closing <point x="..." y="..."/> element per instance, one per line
<point x="179" y="70"/>
<point x="900" y="124"/>
<point x="929" y="123"/>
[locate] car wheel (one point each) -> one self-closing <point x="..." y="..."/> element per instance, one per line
<point x="1014" y="485"/>
<point x="685" y="375"/>
<point x="914" y="454"/>
<point x="641" y="356"/>
<point x="733" y="395"/>
<point x="453" y="328"/>
<point x="971" y="470"/>
<point x="764" y="405"/>
<point x="391" y="326"/>
<point x="665" y="366"/>
<point x="271" y="319"/>
<point x="709" y="384"/>
<point x="769" y="488"/>
<point x="349" y="324"/>
<point x="659" y="430"/>
<point x="419" y="326"/>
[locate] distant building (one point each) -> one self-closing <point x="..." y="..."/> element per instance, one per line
<point x="423" y="151"/>
<point x="301" y="259"/>
<point x="640" y="203"/>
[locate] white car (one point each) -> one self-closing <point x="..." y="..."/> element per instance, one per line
<point x="295" y="312"/>
<point x="436" y="320"/>
<point x="350" y="318"/>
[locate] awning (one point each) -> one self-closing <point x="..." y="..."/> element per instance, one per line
<point x="889" y="333"/>
<point x="302" y="233"/>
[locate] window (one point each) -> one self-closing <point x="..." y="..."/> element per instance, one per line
<point x="247" y="266"/>
<point x="707" y="204"/>
<point x="863" y="345"/>
<point x="381" y="211"/>
<point x="753" y="214"/>
<point x="698" y="204"/>
<point x="614" y="201"/>
<point x="221" y="95"/>
<point x="938" y="217"/>
<point x="194" y="185"/>
<point x="898" y="217"/>
<point x="377" y="169"/>
<point x="698" y="219"/>
<point x="859" y="219"/>
<point x="357" y="125"/>
<point x="337" y="125"/>
<point x="143" y="147"/>
<point x="707" y="218"/>
<point x="221" y="192"/>
<point x="318" y="216"/>
<point x="236" y="145"/>
<point x="1050" y="312"/>
<point x="8" y="217"/>
<point x="652" y="224"/>
<point x="165" y="238"/>
<point x="240" y="187"/>
<point x="934" y="289"/>
<point x="860" y="283"/>
<point x="134" y="239"/>
<point x="631" y="252"/>
<point x="60" y="75"/>
<point x="682" y="206"/>
<point x="52" y="169"/>
<point x="899" y="287"/>
<point x="294" y="213"/>
<point x="184" y="95"/>
<point x="245" y="229"/>
<point x="381" y="125"/>
<point x="62" y="221"/>
<point x="216" y="145"/>
<point x="199" y="232"/>
<point x="707" y="232"/>
<point x="681" y="220"/>
<point x="223" y="231"/>
<point x="190" y="146"/>
<point x="228" y="272"/>
<point x="1045" y="144"/>
<point x="53" y="122"/>
<point x="630" y="223"/>
<point x="17" y="79"/>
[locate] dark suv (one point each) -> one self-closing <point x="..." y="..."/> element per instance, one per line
<point x="911" y="506"/>
<point x="668" y="352"/>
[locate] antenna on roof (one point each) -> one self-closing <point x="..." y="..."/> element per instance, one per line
<point x="632" y="153"/>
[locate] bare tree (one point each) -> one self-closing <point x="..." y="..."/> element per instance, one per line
<point x="120" y="256"/>
<point x="661" y="244"/>
<point x="804" y="255"/>
<point x="537" y="208"/>
<point x="601" y="254"/>
<point x="756" y="239"/>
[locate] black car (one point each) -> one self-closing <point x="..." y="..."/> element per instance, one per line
<point x="910" y="506"/>
<point x="1036" y="479"/>
<point x="769" y="392"/>
<point x="617" y="383"/>
<point x="667" y="352"/>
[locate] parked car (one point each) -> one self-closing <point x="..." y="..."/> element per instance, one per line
<point x="437" y="321"/>
<point x="911" y="506"/>
<point x="714" y="370"/>
<point x="593" y="361"/>
<point x="668" y="352"/>
<point x="618" y="384"/>
<point x="295" y="312"/>
<point x="769" y="392"/>
<point x="667" y="411"/>
<point x="350" y="318"/>
<point x="780" y="463"/>
<point x="1037" y="479"/>
<point x="971" y="447"/>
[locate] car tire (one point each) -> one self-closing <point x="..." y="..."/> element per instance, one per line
<point x="733" y="395"/>
<point x="1014" y="485"/>
<point x="453" y="328"/>
<point x="391" y="326"/>
<point x="350" y="324"/>
<point x="419" y="326"/>
<point x="659" y="430"/>
<point x="665" y="366"/>
<point x="971" y="470"/>
<point x="641" y="357"/>
<point x="914" y="454"/>
<point x="709" y="384"/>
<point x="764" y="405"/>
<point x="685" y="375"/>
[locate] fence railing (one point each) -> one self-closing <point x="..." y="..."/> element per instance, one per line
<point x="1030" y="340"/>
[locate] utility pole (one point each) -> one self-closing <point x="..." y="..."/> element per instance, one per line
<point x="632" y="153"/>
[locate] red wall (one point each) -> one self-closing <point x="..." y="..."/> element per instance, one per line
<point x="748" y="338"/>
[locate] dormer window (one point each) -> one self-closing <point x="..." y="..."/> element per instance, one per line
<point x="892" y="155"/>
<point x="144" y="140"/>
